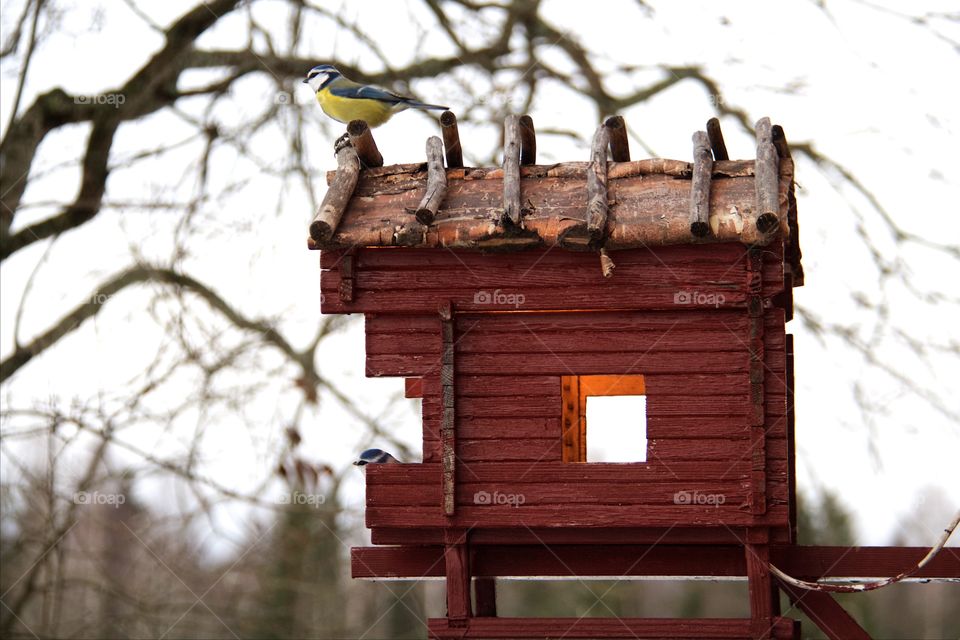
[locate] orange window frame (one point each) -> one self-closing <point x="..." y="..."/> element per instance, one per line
<point x="574" y="391"/>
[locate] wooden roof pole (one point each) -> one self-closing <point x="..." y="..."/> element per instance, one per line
<point x="597" y="207"/>
<point x="717" y="145"/>
<point x="528" y="141"/>
<point x="451" y="139"/>
<point x="436" y="183"/>
<point x="511" y="172"/>
<point x="767" y="179"/>
<point x="619" y="144"/>
<point x="362" y="140"/>
<point x="700" y="186"/>
<point x="338" y="195"/>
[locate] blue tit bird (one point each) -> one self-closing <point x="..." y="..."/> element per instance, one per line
<point x="375" y="456"/>
<point x="345" y="100"/>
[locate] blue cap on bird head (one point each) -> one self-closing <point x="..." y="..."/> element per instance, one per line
<point x="323" y="73"/>
<point x="374" y="456"/>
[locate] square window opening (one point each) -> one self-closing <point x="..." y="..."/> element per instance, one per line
<point x="604" y="418"/>
<point x="616" y="429"/>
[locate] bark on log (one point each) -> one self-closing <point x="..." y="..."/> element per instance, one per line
<point x="436" y="183"/>
<point x="700" y="185"/>
<point x="649" y="206"/>
<point x="451" y="139"/>
<point x="597" y="206"/>
<point x="619" y="144"/>
<point x="448" y="422"/>
<point x="528" y="141"/>
<point x="511" y="171"/>
<point x="338" y="196"/>
<point x="606" y="264"/>
<point x="717" y="145"/>
<point x="577" y="170"/>
<point x="362" y="140"/>
<point x="767" y="187"/>
<point x="780" y="142"/>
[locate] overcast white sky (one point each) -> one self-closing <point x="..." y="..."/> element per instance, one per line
<point x="870" y="89"/>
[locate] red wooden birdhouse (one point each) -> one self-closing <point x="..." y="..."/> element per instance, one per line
<point x="513" y="300"/>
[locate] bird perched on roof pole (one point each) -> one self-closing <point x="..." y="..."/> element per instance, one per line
<point x="375" y="456"/>
<point x="344" y="100"/>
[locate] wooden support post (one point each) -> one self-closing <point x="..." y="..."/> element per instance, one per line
<point x="597" y="207"/>
<point x="338" y="195"/>
<point x="457" y="559"/>
<point x="767" y="179"/>
<point x="528" y="141"/>
<point x="791" y="444"/>
<point x="451" y="140"/>
<point x="758" y="436"/>
<point x="826" y="613"/>
<point x="619" y="143"/>
<point x="511" y="171"/>
<point x="448" y="455"/>
<point x="362" y="140"/>
<point x="700" y="186"/>
<point x="761" y="588"/>
<point x="485" y="591"/>
<point x="436" y="182"/>
<point x="717" y="145"/>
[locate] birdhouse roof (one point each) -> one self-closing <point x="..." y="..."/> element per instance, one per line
<point x="599" y="204"/>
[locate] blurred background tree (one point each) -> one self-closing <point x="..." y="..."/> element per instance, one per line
<point x="178" y="420"/>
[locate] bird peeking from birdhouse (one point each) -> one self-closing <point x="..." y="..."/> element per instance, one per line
<point x="375" y="456"/>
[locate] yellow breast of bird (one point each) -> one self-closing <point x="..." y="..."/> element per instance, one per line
<point x="346" y="109"/>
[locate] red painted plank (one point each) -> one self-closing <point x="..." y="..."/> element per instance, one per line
<point x="732" y="492"/>
<point x="608" y="537"/>
<point x="413" y="388"/>
<point x="498" y="275"/>
<point x="500" y="386"/>
<point x="816" y="562"/>
<point x="501" y="472"/>
<point x="585" y="363"/>
<point x="480" y="428"/>
<point x="826" y="613"/>
<point x="695" y="405"/>
<point x="525" y="553"/>
<point x="457" y="570"/>
<point x="520" y="405"/>
<point x="432" y="259"/>
<point x="603" y="628"/>
<point x="557" y="560"/>
<point x="560" y="298"/>
<point x="560" y="342"/>
<point x="604" y="322"/>
<point x="532" y="451"/>
<point x="580" y="515"/>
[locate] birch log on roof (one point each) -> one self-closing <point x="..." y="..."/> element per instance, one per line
<point x="649" y="206"/>
<point x="337" y="199"/>
<point x="511" y="171"/>
<point x="436" y="182"/>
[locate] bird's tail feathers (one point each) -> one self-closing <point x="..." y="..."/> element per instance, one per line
<point x="423" y="105"/>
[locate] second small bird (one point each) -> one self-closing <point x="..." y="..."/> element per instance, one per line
<point x="345" y="100"/>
